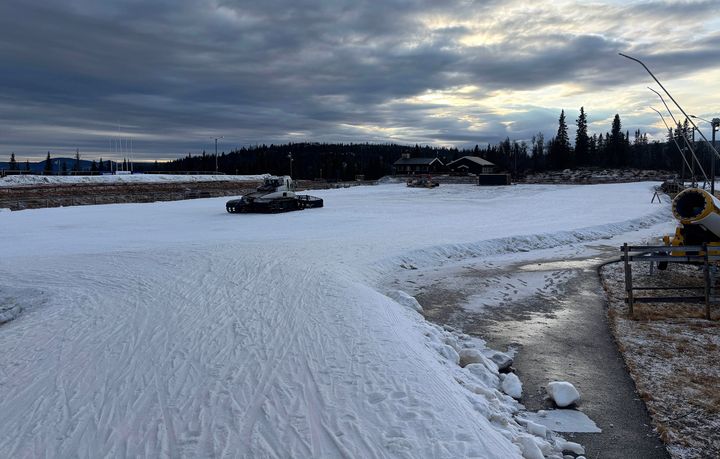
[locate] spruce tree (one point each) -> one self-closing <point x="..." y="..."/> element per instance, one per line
<point x="617" y="150"/>
<point x="560" y="149"/>
<point x="76" y="167"/>
<point x="48" y="165"/>
<point x="13" y="164"/>
<point x="581" y="140"/>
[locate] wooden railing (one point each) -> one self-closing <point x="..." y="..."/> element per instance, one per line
<point x="695" y="254"/>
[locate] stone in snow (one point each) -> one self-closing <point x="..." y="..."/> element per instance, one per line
<point x="562" y="393"/>
<point x="502" y="360"/>
<point x="471" y="355"/>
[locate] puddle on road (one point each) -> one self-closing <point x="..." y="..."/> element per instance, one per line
<point x="584" y="264"/>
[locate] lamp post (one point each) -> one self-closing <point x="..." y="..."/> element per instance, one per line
<point x="715" y="123"/>
<point x="216" y="158"/>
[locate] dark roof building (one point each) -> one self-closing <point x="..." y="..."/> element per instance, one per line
<point x="412" y="166"/>
<point x="471" y="165"/>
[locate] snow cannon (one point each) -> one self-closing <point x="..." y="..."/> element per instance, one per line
<point x="699" y="215"/>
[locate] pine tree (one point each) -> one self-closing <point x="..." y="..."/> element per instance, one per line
<point x="93" y="166"/>
<point x="616" y="147"/>
<point x="48" y="165"/>
<point x="13" y="164"/>
<point x="581" y="140"/>
<point x="538" y="151"/>
<point x="560" y="149"/>
<point x="76" y="167"/>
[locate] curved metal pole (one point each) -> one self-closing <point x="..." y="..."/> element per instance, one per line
<point x="687" y="142"/>
<point x="672" y="137"/>
<point x="674" y="101"/>
<point x="682" y="132"/>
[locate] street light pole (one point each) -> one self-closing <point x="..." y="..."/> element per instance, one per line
<point x="216" y="157"/>
<point x="715" y="123"/>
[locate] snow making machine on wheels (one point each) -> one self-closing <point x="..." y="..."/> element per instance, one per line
<point x="699" y="215"/>
<point x="276" y="194"/>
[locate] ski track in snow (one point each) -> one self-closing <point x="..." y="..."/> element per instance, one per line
<point x="198" y="360"/>
<point x="231" y="347"/>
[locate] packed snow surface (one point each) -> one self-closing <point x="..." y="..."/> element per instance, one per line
<point x="17" y="180"/>
<point x="175" y="329"/>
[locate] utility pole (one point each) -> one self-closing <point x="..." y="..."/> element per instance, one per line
<point x="216" y="157"/>
<point x="715" y="125"/>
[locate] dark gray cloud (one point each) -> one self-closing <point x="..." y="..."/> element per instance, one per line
<point x="174" y="74"/>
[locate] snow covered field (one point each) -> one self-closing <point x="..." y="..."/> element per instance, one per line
<point x="175" y="329"/>
<point x="29" y="180"/>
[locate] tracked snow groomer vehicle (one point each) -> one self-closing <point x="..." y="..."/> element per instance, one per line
<point x="276" y="194"/>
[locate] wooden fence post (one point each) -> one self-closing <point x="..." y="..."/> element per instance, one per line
<point x="706" y="272"/>
<point x="628" y="279"/>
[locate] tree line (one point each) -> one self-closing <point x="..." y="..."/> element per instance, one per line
<point x="614" y="148"/>
<point x="340" y="161"/>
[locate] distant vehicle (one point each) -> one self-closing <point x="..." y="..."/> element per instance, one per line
<point x="276" y="194"/>
<point x="422" y="182"/>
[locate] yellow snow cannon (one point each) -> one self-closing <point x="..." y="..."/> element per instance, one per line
<point x="699" y="215"/>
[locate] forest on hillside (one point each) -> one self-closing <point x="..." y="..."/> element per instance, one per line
<point x="616" y="148"/>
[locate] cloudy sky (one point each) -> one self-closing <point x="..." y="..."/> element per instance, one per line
<point x="173" y="74"/>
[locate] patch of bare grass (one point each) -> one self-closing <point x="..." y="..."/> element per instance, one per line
<point x="672" y="354"/>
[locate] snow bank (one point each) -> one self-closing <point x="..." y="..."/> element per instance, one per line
<point x="18" y="180"/>
<point x="176" y="329"/>
<point x="514" y="244"/>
